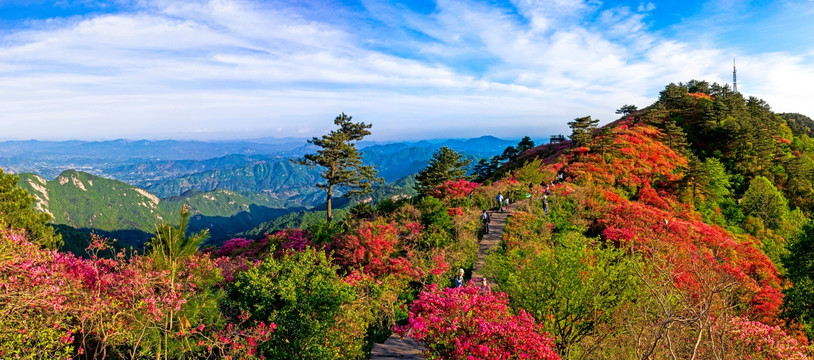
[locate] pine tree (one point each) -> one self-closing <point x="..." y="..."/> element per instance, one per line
<point x="341" y="160"/>
<point x="657" y="115"/>
<point x="582" y="130"/>
<point x="604" y="141"/>
<point x="482" y="169"/>
<point x="171" y="243"/>
<point x="525" y="144"/>
<point x="509" y="153"/>
<point x="626" y="109"/>
<point x="17" y="212"/>
<point x="446" y="164"/>
<point x="674" y="136"/>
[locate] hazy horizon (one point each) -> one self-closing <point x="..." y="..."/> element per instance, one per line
<point x="283" y="140"/>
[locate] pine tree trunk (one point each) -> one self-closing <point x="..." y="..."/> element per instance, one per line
<point x="330" y="194"/>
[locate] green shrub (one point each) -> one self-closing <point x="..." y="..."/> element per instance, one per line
<point x="301" y="293"/>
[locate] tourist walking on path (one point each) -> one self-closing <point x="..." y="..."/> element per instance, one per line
<point x="500" y="202"/>
<point x="484" y="286"/>
<point x="485" y="218"/>
<point x="545" y="204"/>
<point x="459" y="280"/>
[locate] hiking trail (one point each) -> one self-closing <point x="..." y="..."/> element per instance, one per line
<point x="409" y="349"/>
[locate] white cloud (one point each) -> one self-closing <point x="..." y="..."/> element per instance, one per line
<point x="231" y="68"/>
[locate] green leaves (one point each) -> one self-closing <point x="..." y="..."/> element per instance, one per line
<point x="446" y="164"/>
<point x="574" y="286"/>
<point x="340" y="158"/>
<point x="799" y="262"/>
<point x="17" y="212"/>
<point x="171" y="244"/>
<point x="763" y="200"/>
<point x="582" y="130"/>
<point x="301" y="293"/>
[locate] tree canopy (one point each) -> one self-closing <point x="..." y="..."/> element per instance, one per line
<point x="340" y="158"/>
<point x="446" y="164"/>
<point x="626" y="109"/>
<point x="17" y="212"/>
<point x="582" y="130"/>
<point x="799" y="298"/>
<point x="525" y="144"/>
<point x="764" y="201"/>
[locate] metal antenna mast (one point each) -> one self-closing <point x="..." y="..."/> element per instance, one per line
<point x="734" y="76"/>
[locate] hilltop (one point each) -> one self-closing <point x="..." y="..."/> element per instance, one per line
<point x="681" y="230"/>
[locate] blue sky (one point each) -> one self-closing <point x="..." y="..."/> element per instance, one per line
<point x="225" y="69"/>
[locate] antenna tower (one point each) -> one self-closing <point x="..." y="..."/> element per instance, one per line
<point x="734" y="76"/>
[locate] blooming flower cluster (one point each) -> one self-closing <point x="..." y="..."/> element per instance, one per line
<point x="56" y="305"/>
<point x="453" y="189"/>
<point x="472" y="323"/>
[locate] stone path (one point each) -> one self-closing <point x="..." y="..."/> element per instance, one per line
<point x="491" y="240"/>
<point x="396" y="348"/>
<point x="408" y="349"/>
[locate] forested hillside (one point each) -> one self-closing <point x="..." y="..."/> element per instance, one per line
<point x="131" y="214"/>
<point x="680" y="231"/>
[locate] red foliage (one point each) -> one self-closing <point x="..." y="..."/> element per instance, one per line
<point x="373" y="248"/>
<point x="700" y="96"/>
<point x="470" y="323"/>
<point x="291" y="239"/>
<point x="699" y="252"/>
<point x="253" y="250"/>
<point x="455" y="211"/>
<point x="649" y="196"/>
<point x="641" y="157"/>
<point x="453" y="189"/>
<point x="106" y="302"/>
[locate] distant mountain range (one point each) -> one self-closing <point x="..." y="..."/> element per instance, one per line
<point x="128" y="160"/>
<point x="125" y="188"/>
<point x="131" y="214"/>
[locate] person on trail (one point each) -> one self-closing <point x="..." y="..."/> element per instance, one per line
<point x="545" y="204"/>
<point x="486" y="219"/>
<point x="484" y="286"/>
<point x="459" y="280"/>
<point x="506" y="202"/>
<point x="500" y="202"/>
<point x="548" y="189"/>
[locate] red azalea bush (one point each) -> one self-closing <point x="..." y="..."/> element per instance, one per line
<point x="755" y="340"/>
<point x="455" y="211"/>
<point x="375" y="248"/>
<point x="470" y="323"/>
<point x="639" y="157"/>
<point x="256" y="250"/>
<point x="253" y="250"/>
<point x="453" y="190"/>
<point x="55" y="305"/>
<point x="291" y="239"/>
<point x="233" y="246"/>
<point x="697" y="250"/>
